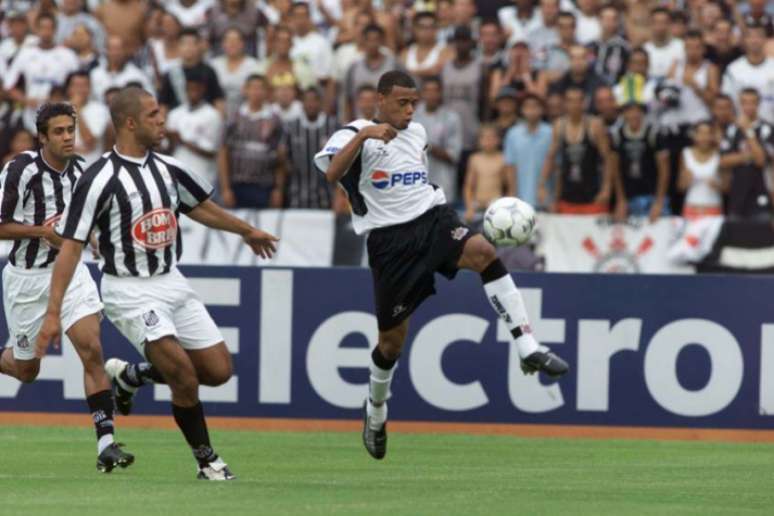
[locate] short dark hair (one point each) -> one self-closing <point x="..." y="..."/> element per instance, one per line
<point x="750" y="91"/>
<point x="195" y="74"/>
<point x="490" y="21"/>
<point x="433" y="79"/>
<point x="372" y="27"/>
<point x="723" y="96"/>
<point x="45" y="16"/>
<point x="256" y="77"/>
<point x="678" y="16"/>
<point x="125" y="104"/>
<point x="660" y="10"/>
<point x="365" y="88"/>
<point x="567" y="14"/>
<point x="640" y="50"/>
<point x="694" y="34"/>
<point x="752" y="24"/>
<point x="50" y="110"/>
<point x="75" y="75"/>
<point x="189" y="31"/>
<point x="312" y="89"/>
<point x="296" y="5"/>
<point x="394" y="78"/>
<point x="532" y="96"/>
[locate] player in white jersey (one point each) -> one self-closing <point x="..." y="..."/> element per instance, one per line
<point x="412" y="234"/>
<point x="133" y="196"/>
<point x="34" y="189"/>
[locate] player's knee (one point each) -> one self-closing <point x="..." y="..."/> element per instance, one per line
<point x="482" y="254"/>
<point x="27" y="373"/>
<point x="217" y="375"/>
<point x="391" y="345"/>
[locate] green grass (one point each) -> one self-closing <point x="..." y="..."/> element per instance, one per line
<point x="51" y="471"/>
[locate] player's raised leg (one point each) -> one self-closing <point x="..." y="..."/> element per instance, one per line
<point x="85" y="336"/>
<point x="23" y="370"/>
<point x="480" y="256"/>
<point x="179" y="371"/>
<point x="127" y="378"/>
<point x="383" y="360"/>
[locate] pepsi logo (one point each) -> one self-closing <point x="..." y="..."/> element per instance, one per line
<point x="380" y="179"/>
<point x="156" y="229"/>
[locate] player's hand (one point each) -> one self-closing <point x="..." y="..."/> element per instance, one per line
<point x="261" y="242"/>
<point x="228" y="197"/>
<point x="52" y="238"/>
<point x="384" y="132"/>
<point x="50" y="332"/>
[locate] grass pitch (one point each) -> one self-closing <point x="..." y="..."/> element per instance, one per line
<point x="51" y="471"/>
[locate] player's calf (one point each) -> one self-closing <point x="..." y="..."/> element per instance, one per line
<point x="26" y="371"/>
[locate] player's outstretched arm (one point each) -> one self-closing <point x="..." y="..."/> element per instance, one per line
<point x="343" y="159"/>
<point x="211" y="215"/>
<point x="64" y="267"/>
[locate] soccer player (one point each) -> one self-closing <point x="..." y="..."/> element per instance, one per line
<point x="382" y="165"/>
<point x="35" y="187"/>
<point x="133" y="197"/>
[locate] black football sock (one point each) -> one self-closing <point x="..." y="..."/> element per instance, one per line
<point x="101" y="408"/>
<point x="194" y="427"/>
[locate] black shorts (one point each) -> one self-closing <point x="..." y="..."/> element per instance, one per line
<point x="404" y="259"/>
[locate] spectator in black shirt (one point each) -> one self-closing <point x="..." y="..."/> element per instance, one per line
<point x="580" y="76"/>
<point x="173" y="84"/>
<point x="722" y="51"/>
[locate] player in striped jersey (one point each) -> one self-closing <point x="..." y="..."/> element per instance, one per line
<point x="133" y="197"/>
<point x="34" y="188"/>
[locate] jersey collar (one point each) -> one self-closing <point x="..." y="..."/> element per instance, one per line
<point x="137" y="161"/>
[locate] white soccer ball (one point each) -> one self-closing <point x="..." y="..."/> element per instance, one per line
<point x="509" y="221"/>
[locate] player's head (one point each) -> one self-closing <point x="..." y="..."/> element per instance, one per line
<point x="136" y="117"/>
<point x="723" y="110"/>
<point x="749" y="100"/>
<point x="396" y="98"/>
<point x="55" y="123"/>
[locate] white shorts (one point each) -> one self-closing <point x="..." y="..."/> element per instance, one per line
<point x="147" y="309"/>
<point x="25" y="298"/>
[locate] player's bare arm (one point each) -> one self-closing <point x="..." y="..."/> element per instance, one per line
<point x="343" y="159"/>
<point x="64" y="267"/>
<point x="213" y="216"/>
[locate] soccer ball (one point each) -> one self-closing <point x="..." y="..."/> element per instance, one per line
<point x="509" y="221"/>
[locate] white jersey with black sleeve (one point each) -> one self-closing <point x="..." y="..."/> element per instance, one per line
<point x="387" y="184"/>
<point x="133" y="205"/>
<point x="35" y="194"/>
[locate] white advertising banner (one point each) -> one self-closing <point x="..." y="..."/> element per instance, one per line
<point x="597" y="244"/>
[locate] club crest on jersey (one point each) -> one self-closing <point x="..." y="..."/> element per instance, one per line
<point x="382" y="180"/>
<point x="156" y="229"/>
<point x="22" y="342"/>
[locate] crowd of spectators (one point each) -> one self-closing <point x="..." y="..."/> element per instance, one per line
<point x="627" y="107"/>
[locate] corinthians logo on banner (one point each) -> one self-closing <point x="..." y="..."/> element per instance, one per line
<point x="618" y="254"/>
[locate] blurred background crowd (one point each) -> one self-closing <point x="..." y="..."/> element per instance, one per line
<point x="629" y="107"/>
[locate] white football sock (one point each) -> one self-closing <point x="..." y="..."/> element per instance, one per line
<point x="506" y="300"/>
<point x="376" y="415"/>
<point x="103" y="442"/>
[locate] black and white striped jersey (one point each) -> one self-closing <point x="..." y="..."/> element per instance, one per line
<point x="34" y="194"/>
<point x="133" y="205"/>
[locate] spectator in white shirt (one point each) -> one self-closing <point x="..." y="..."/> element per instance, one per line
<point x="41" y="67"/>
<point x="195" y="128"/>
<point x="18" y="36"/>
<point x="752" y="70"/>
<point x="519" y="19"/>
<point x="587" y="16"/>
<point x="663" y="50"/>
<point x="93" y="118"/>
<point x="191" y="13"/>
<point x="313" y="48"/>
<point x="165" y="49"/>
<point x="233" y="68"/>
<point x="116" y="71"/>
